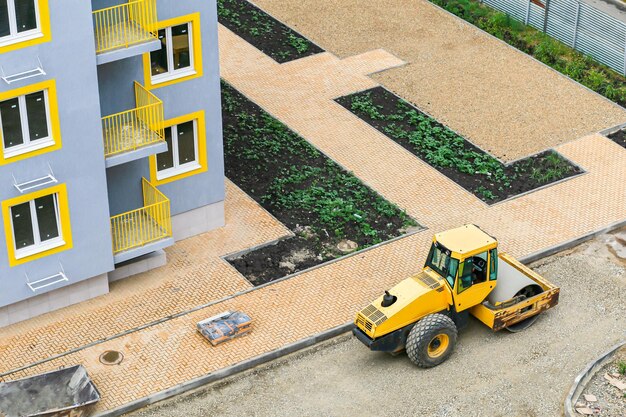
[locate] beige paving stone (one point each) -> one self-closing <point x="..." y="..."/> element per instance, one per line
<point x="499" y="98"/>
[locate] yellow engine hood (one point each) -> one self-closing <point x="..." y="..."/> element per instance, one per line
<point x="417" y="296"/>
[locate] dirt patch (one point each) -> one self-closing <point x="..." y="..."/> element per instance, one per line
<point x="619" y="137"/>
<point x="451" y="154"/>
<point x="600" y="396"/>
<point x="308" y="192"/>
<point x="499" y="99"/>
<point x="263" y="31"/>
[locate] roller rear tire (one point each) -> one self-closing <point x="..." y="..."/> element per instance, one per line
<point x="431" y="341"/>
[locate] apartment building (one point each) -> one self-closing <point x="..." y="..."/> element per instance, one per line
<point x="111" y="143"/>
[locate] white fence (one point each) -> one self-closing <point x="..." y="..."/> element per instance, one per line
<point x="576" y="24"/>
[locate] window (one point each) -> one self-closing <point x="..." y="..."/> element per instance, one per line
<point x="25" y="123"/>
<point x="180" y="56"/>
<point x="493" y="253"/>
<point x="28" y="120"/>
<point x="186" y="150"/>
<point x="472" y="271"/>
<point x="440" y="261"/>
<point x="19" y="20"/>
<point x="175" y="56"/>
<point x="182" y="150"/>
<point x="37" y="223"/>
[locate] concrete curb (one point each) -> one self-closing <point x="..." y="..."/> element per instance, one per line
<point x="226" y="372"/>
<point x="611" y="130"/>
<point x="312" y="340"/>
<point x="584" y="377"/>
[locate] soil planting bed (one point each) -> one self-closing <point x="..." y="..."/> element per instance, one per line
<point x="263" y="31"/>
<point x="324" y="205"/>
<point x="470" y="167"/>
<point x="619" y="137"/>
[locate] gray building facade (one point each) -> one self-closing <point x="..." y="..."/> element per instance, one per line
<point x="112" y="149"/>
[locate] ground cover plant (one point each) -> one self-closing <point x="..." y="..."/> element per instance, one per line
<point x="619" y="137"/>
<point x="313" y="196"/>
<point x="469" y="166"/>
<point x="557" y="55"/>
<point x="263" y="31"/>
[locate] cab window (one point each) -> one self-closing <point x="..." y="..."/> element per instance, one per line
<point x="493" y="275"/>
<point x="440" y="261"/>
<point x="472" y="271"/>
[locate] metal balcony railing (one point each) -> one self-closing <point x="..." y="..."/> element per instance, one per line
<point x="125" y="24"/>
<point x="132" y="129"/>
<point x="147" y="224"/>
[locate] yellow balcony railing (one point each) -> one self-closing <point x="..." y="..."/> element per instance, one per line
<point x="147" y="224"/>
<point x="125" y="24"/>
<point x="132" y="129"/>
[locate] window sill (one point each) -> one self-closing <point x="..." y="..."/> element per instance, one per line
<point x="158" y="80"/>
<point x="174" y="172"/>
<point x="23" y="149"/>
<point x="12" y="40"/>
<point x="25" y="253"/>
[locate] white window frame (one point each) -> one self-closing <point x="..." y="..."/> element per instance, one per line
<point x="174" y="74"/>
<point x="38" y="246"/>
<point x="178" y="169"/>
<point x="28" y="146"/>
<point x="15" y="36"/>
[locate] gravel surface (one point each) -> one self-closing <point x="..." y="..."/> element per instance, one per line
<point x="498" y="98"/>
<point x="490" y="374"/>
<point x="610" y="400"/>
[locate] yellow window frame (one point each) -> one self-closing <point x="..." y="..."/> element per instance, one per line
<point x="44" y="26"/>
<point x="199" y="117"/>
<point x="64" y="220"/>
<point x="50" y="86"/>
<point x="194" y="19"/>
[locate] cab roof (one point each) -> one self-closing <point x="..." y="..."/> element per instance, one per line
<point x="466" y="239"/>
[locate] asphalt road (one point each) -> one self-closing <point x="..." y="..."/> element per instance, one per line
<point x="490" y="374"/>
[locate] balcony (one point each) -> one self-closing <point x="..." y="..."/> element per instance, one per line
<point x="144" y="230"/>
<point x="125" y="30"/>
<point x="136" y="133"/>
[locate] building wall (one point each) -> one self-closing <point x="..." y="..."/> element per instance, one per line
<point x="69" y="59"/>
<point x="180" y="98"/>
<point x="85" y="93"/>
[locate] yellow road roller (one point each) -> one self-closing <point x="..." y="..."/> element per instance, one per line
<point x="464" y="274"/>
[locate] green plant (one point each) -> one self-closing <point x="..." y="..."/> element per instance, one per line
<point x="485" y="193"/>
<point x="363" y="103"/>
<point x="621" y="367"/>
<point x="300" y="44"/>
<point x="549" y="51"/>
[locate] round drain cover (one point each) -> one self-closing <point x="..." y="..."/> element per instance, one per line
<point x="111" y="357"/>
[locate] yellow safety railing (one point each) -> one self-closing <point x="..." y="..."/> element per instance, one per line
<point x="125" y="24"/>
<point x="139" y="227"/>
<point x="132" y="129"/>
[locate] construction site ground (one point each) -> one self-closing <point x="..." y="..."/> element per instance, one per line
<point x="151" y="317"/>
<point x="523" y="374"/>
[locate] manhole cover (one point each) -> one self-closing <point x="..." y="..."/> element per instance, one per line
<point x="111" y="357"/>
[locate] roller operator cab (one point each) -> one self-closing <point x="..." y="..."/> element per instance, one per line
<point x="463" y="275"/>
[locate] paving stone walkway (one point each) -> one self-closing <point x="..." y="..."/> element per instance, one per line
<point x="194" y="275"/>
<point x="300" y="94"/>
